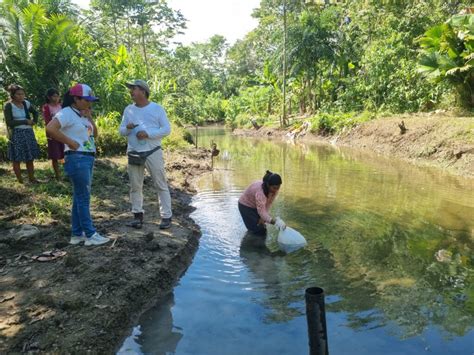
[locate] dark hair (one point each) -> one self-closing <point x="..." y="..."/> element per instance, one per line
<point x="270" y="179"/>
<point x="68" y="100"/>
<point x="50" y="92"/>
<point x="13" y="88"/>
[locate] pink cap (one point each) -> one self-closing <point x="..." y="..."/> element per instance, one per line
<point x="84" y="91"/>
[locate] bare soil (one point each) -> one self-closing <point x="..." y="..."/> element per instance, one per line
<point x="442" y="139"/>
<point x="86" y="301"/>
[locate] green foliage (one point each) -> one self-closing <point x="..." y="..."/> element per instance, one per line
<point x="179" y="138"/>
<point x="3" y="148"/>
<point x="348" y="57"/>
<point x="331" y="123"/>
<point x="40" y="135"/>
<point x="448" y="55"/>
<point x="37" y="48"/>
<point x="110" y="142"/>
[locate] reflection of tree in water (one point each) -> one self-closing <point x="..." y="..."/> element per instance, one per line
<point x="394" y="262"/>
<point x="376" y="229"/>
<point x="381" y="270"/>
<point x="159" y="336"/>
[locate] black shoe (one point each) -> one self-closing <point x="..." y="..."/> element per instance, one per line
<point x="137" y="221"/>
<point x="165" y="223"/>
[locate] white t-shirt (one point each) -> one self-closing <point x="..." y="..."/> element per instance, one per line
<point x="77" y="128"/>
<point x="151" y="119"/>
<point x="19" y="114"/>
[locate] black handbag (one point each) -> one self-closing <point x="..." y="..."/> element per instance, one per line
<point x="139" y="158"/>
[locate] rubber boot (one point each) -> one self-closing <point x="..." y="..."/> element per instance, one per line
<point x="137" y="221"/>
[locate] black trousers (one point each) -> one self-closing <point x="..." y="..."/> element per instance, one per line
<point x="251" y="218"/>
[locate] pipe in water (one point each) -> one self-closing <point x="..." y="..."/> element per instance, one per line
<point x="316" y="318"/>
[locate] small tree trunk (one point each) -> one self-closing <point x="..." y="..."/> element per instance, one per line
<point x="402" y="127"/>
<point x="144" y="52"/>
<point x="283" y="120"/>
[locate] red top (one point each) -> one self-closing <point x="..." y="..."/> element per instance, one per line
<point x="49" y="111"/>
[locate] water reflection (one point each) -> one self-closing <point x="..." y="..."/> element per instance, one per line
<point x="156" y="333"/>
<point x="389" y="242"/>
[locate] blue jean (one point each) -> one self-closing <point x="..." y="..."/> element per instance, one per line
<point x="79" y="169"/>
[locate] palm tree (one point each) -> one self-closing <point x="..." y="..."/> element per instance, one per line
<point x="36" y="48"/>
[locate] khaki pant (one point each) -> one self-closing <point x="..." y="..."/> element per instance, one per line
<point x="156" y="167"/>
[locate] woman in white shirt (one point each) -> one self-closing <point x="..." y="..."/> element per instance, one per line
<point x="74" y="127"/>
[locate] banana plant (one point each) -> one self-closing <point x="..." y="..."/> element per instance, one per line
<point x="447" y="54"/>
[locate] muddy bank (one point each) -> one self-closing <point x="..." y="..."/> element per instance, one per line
<point x="443" y="140"/>
<point x="86" y="300"/>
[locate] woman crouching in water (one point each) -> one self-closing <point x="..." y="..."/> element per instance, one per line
<point x="255" y="203"/>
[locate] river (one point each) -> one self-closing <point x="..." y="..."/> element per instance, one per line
<point x="390" y="243"/>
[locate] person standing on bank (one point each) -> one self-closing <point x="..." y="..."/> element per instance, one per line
<point x="74" y="127"/>
<point x="22" y="144"/>
<point x="255" y="203"/>
<point x="144" y="123"/>
<point x="55" y="148"/>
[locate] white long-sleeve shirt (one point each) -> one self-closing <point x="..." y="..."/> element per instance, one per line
<point x="152" y="119"/>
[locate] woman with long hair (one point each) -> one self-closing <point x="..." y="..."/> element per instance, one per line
<point x="74" y="127"/>
<point x="255" y="203"/>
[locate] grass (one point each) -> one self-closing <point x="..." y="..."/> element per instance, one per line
<point x="49" y="203"/>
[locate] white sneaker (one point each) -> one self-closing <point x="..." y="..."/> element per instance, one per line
<point x="76" y="240"/>
<point x="96" y="239"/>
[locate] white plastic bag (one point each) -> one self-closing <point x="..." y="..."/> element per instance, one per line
<point x="290" y="240"/>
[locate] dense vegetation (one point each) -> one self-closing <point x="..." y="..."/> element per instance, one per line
<point x="338" y="63"/>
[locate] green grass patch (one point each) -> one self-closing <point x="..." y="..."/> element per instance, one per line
<point x="331" y="123"/>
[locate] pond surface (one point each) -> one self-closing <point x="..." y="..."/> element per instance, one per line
<point x="390" y="243"/>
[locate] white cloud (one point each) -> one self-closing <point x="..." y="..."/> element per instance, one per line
<point x="229" y="18"/>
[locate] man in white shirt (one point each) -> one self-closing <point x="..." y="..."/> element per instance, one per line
<point x="144" y="123"/>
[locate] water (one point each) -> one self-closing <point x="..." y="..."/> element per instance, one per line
<point x="390" y="243"/>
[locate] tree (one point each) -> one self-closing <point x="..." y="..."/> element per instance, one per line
<point x="36" y="47"/>
<point x="151" y="22"/>
<point x="447" y="54"/>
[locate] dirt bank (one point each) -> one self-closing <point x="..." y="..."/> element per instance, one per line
<point x="443" y="140"/>
<point x="89" y="298"/>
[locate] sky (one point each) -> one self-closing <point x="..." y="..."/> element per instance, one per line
<point x="229" y="18"/>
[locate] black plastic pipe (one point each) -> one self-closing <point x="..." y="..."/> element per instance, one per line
<point x="316" y="317"/>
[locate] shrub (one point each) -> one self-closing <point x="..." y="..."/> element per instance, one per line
<point x="40" y="135"/>
<point x="110" y="142"/>
<point x="331" y="123"/>
<point x="179" y="138"/>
